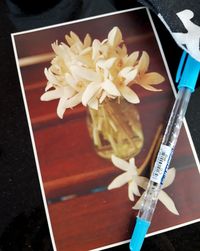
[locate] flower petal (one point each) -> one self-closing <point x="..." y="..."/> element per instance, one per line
<point x="132" y="58"/>
<point x="138" y="204"/>
<point x="75" y="100"/>
<point x="75" y="38"/>
<point x="50" y="76"/>
<point x="150" y="88"/>
<point x="129" y="95"/>
<point x="167" y="202"/>
<point x="119" y="181"/>
<point x="87" y="41"/>
<point x="143" y="63"/>
<point x="125" y="71"/>
<point x="84" y="73"/>
<point x="122" y="52"/>
<point x="106" y="64"/>
<point x="95" y="49"/>
<point x="130" y="76"/>
<point x="132" y="166"/>
<point x="70" y="80"/>
<point x="134" y="187"/>
<point x="48" y="86"/>
<point x="84" y="52"/>
<point x="104" y="50"/>
<point x="66" y="53"/>
<point x="60" y="108"/>
<point x="132" y="162"/>
<point x="103" y="96"/>
<point x="110" y="88"/>
<point x="62" y="51"/>
<point x="169" y="178"/>
<point x="89" y="92"/>
<point x="55" y="69"/>
<point x="68" y="92"/>
<point x="120" y="163"/>
<point x="106" y="74"/>
<point x="149" y="79"/>
<point x="93" y="103"/>
<point x="142" y="181"/>
<point x="115" y="37"/>
<point x="130" y="193"/>
<point x="55" y="47"/>
<point x="69" y="40"/>
<point x="51" y="95"/>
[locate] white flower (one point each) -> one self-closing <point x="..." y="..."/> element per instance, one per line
<point x="68" y="95"/>
<point x="115" y="37"/>
<point x="76" y="45"/>
<point x="144" y="79"/>
<point x="163" y="196"/>
<point x="89" y="71"/>
<point x="126" y="76"/>
<point x="130" y="176"/>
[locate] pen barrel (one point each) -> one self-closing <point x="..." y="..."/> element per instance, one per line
<point x="149" y="201"/>
<point x="164" y="154"/>
<point x="176" y="118"/>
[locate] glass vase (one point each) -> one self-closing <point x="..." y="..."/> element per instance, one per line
<point x="115" y="128"/>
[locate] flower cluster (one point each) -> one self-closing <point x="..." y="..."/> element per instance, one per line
<point x="89" y="71"/>
<point x="135" y="181"/>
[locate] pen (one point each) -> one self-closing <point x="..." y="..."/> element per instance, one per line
<point x="187" y="76"/>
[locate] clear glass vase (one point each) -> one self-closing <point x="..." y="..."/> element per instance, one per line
<point x="115" y="128"/>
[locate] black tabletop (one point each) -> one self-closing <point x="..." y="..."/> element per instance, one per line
<point x="23" y="224"/>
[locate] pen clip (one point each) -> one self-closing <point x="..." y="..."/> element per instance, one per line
<point x="188" y="71"/>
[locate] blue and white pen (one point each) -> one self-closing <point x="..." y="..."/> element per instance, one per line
<point x="187" y="76"/>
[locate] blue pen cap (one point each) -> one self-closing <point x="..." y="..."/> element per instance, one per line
<point x="188" y="72"/>
<point x="140" y="230"/>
